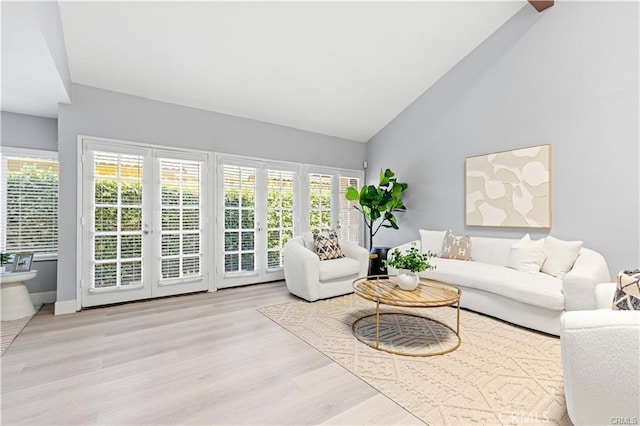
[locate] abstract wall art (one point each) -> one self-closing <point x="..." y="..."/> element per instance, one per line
<point x="509" y="189"/>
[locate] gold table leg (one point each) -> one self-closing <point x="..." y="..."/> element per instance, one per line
<point x="378" y="324"/>
<point x="458" y="322"/>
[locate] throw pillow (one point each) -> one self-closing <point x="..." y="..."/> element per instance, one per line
<point x="431" y="241"/>
<point x="627" y="295"/>
<point x="455" y="247"/>
<point x="527" y="255"/>
<point x="327" y="247"/>
<point x="526" y="259"/>
<point x="524" y="242"/>
<point x="561" y="255"/>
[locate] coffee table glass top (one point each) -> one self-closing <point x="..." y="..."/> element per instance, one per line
<point x="384" y="289"/>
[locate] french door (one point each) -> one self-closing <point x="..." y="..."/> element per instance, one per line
<point x="256" y="218"/>
<point x="262" y="205"/>
<point x="144" y="231"/>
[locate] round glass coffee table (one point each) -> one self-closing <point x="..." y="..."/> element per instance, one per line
<point x="405" y="328"/>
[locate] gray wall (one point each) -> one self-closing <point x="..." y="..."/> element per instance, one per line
<point x="28" y="131"/>
<point x="102" y="113"/>
<point x="566" y="77"/>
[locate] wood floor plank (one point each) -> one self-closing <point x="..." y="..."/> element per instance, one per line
<point x="207" y="358"/>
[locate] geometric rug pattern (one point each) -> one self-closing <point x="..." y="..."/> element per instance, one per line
<point x="500" y="374"/>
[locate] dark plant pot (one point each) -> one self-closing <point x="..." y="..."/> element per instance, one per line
<point x="378" y="255"/>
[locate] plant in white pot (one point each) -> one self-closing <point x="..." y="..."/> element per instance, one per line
<point x="4" y="259"/>
<point x="409" y="264"/>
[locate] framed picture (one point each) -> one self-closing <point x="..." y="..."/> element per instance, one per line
<point x="22" y="262"/>
<point x="509" y="189"/>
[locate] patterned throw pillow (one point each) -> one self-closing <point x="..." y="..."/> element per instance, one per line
<point x="327" y="247"/>
<point x="454" y="247"/>
<point x="627" y="295"/>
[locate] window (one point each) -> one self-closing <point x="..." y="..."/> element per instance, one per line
<point x="239" y="219"/>
<point x="320" y="188"/>
<point x="181" y="221"/>
<point x="280" y="195"/>
<point x="117" y="227"/>
<point x="263" y="204"/>
<point x="30" y="201"/>
<point x="350" y="222"/>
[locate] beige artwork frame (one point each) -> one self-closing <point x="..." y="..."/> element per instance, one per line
<point x="509" y="189"/>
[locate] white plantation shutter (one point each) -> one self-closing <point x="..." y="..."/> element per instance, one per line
<point x="320" y="187"/>
<point x="280" y="214"/>
<point x="29" y="202"/>
<point x="239" y="219"/>
<point x="350" y="223"/>
<point x="181" y="253"/>
<point x="116" y="220"/>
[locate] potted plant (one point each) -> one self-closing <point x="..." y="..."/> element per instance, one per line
<point x="4" y="259"/>
<point x="378" y="205"/>
<point x="409" y="264"/>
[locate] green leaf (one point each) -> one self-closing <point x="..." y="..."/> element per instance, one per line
<point x="352" y="194"/>
<point x="377" y="203"/>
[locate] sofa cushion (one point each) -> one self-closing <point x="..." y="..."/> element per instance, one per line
<point x="338" y="268"/>
<point x="431" y="241"/>
<point x="561" y="255"/>
<point x="527" y="255"/>
<point x="455" y="247"/>
<point x="492" y="250"/>
<point x="526" y="259"/>
<point x="538" y="289"/>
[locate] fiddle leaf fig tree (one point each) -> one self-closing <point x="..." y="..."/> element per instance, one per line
<point x="379" y="203"/>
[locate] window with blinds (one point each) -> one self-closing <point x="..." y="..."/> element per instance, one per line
<point x="30" y="202"/>
<point x="181" y="218"/>
<point x="239" y="219"/>
<point x="117" y="220"/>
<point x="320" y="202"/>
<point x="280" y="196"/>
<point x="350" y="222"/>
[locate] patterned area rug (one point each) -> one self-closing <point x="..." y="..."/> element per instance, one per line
<point x="11" y="329"/>
<point x="500" y="374"/>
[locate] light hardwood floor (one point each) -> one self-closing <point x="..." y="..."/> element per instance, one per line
<point x="208" y="358"/>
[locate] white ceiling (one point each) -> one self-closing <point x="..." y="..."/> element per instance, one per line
<point x="338" y="68"/>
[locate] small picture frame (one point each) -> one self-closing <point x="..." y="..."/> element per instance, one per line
<point x="22" y="262"/>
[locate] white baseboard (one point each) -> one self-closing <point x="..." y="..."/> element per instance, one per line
<point x="65" y="307"/>
<point x="43" y="297"/>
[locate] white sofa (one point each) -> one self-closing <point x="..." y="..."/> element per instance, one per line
<point x="535" y="301"/>
<point x="311" y="279"/>
<point x="601" y="362"/>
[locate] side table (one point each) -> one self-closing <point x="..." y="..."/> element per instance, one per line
<point x="16" y="302"/>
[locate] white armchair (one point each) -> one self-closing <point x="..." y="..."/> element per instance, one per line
<point x="601" y="362"/>
<point x="311" y="279"/>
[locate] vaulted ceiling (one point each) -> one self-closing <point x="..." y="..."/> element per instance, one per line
<point x="338" y="68"/>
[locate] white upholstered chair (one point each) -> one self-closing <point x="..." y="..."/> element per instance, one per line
<point x="601" y="362"/>
<point x="311" y="279"/>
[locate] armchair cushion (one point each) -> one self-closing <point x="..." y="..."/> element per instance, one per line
<point x="338" y="268"/>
